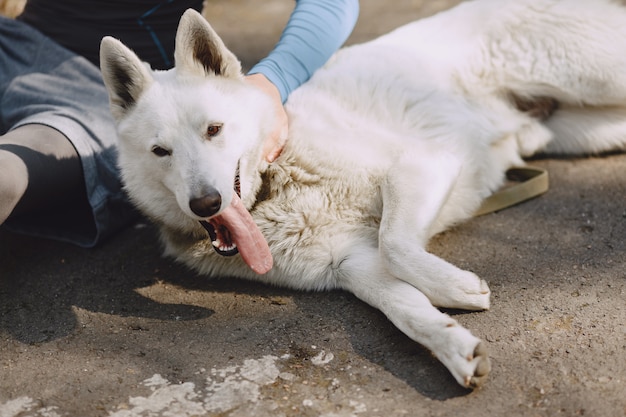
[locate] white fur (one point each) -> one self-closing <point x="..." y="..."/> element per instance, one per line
<point x="391" y="142"/>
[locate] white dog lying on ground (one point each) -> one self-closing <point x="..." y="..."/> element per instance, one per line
<point x="390" y="143"/>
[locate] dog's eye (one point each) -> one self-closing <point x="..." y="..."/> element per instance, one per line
<point x="159" y="151"/>
<point x="214" y="129"/>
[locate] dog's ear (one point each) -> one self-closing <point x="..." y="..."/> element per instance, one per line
<point x="200" y="51"/>
<point x="124" y="75"/>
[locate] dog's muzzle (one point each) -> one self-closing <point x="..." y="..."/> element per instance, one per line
<point x="219" y="234"/>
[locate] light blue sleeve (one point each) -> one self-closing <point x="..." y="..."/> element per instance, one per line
<point x="314" y="32"/>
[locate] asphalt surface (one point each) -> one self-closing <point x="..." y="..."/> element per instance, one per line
<point x="120" y="331"/>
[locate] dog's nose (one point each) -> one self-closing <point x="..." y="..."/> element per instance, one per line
<point x="207" y="205"/>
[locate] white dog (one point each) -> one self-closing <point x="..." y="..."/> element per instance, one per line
<point x="390" y="143"/>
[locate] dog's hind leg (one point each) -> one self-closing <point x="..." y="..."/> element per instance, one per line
<point x="587" y="130"/>
<point x="414" y="195"/>
<point x="363" y="273"/>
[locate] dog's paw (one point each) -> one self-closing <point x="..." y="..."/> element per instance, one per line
<point x="481" y="367"/>
<point x="466" y="357"/>
<point x="465" y="291"/>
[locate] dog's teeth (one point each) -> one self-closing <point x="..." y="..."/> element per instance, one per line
<point x="218" y="244"/>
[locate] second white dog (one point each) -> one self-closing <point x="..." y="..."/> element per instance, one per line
<point x="391" y="142"/>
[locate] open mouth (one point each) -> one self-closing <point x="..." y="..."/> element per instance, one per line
<point x="234" y="231"/>
<point x="220" y="235"/>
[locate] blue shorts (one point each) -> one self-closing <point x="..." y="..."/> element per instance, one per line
<point x="43" y="83"/>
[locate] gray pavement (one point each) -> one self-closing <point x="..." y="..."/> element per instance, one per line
<point x="121" y="331"/>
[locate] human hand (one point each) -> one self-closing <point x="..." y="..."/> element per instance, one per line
<point x="276" y="141"/>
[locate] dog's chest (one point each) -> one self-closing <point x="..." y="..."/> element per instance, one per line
<point x="301" y="198"/>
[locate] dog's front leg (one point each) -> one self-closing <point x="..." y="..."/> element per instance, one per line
<point x="414" y="193"/>
<point x="363" y="273"/>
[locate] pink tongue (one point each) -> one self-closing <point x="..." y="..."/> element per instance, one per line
<point x="245" y="233"/>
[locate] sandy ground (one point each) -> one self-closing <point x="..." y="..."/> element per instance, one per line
<point x="120" y="331"/>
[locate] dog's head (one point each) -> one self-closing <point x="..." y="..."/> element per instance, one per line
<point x="191" y="138"/>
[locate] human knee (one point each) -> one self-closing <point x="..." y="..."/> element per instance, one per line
<point x="13" y="182"/>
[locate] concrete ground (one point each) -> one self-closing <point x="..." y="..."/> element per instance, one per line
<point x="120" y="331"/>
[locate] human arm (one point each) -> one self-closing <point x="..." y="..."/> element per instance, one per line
<point x="314" y="32"/>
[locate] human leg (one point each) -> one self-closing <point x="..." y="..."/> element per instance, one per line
<point x="39" y="170"/>
<point x="47" y="89"/>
